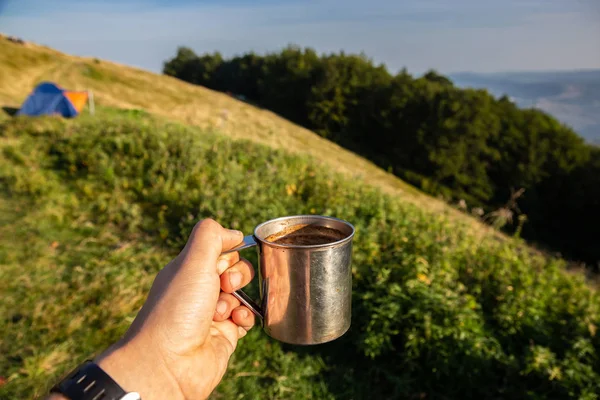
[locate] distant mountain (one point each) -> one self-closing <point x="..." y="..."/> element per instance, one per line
<point x="571" y="96"/>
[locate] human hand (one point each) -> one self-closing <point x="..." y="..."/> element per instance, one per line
<point x="179" y="345"/>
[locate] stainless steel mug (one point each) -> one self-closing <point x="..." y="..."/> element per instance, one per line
<point x="305" y="290"/>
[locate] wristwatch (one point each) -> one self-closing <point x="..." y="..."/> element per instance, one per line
<point x="90" y="382"/>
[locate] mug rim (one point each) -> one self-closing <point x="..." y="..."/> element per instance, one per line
<point x="305" y="246"/>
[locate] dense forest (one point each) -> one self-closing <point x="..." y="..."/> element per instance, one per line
<point x="520" y="168"/>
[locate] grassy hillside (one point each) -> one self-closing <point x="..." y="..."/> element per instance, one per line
<point x="115" y="85"/>
<point x="91" y="209"/>
<point x="23" y="66"/>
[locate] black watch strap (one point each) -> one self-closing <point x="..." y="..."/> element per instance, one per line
<point x="89" y="382"/>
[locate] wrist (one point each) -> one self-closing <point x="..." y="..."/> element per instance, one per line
<point x="134" y="367"/>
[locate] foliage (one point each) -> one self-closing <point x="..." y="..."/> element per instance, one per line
<point x="91" y="209"/>
<point x="458" y="143"/>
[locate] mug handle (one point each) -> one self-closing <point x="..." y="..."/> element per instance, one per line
<point x="248" y="242"/>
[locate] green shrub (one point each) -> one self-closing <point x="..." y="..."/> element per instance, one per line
<point x="448" y="141"/>
<point x="91" y="209"/>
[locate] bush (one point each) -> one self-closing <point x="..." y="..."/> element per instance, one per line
<point x="91" y="209"/>
<point x="460" y="143"/>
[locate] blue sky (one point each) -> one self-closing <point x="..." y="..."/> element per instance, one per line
<point x="447" y="35"/>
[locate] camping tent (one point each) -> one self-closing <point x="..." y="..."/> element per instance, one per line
<point x="49" y="99"/>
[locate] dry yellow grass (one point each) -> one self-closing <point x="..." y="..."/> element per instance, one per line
<point x="22" y="66"/>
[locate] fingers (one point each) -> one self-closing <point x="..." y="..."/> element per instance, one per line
<point x="225" y="335"/>
<point x="229" y="307"/>
<point x="244" y="318"/>
<point x="225" y="305"/>
<point x="226" y="261"/>
<point x="237" y="276"/>
<point x="207" y="241"/>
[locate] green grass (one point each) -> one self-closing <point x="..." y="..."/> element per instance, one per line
<point x="114" y="85"/>
<point x="91" y="209"/>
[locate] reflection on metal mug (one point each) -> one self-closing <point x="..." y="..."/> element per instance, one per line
<point x="305" y="290"/>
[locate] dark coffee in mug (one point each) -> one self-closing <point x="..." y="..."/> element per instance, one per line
<point x="306" y="235"/>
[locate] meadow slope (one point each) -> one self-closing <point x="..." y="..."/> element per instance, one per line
<point x="91" y="209"/>
<point x="23" y="66"/>
<point x="115" y="85"/>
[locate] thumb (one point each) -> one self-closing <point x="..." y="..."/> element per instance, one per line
<point x="207" y="241"/>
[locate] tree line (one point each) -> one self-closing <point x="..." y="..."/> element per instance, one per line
<point x="461" y="144"/>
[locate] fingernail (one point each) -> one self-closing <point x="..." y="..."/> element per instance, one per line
<point x="222" y="265"/>
<point x="221" y="307"/>
<point x="235" y="279"/>
<point x="235" y="232"/>
<point x="243" y="313"/>
<point x="241" y="331"/>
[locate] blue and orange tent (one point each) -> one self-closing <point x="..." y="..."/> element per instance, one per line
<point x="50" y="99"/>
